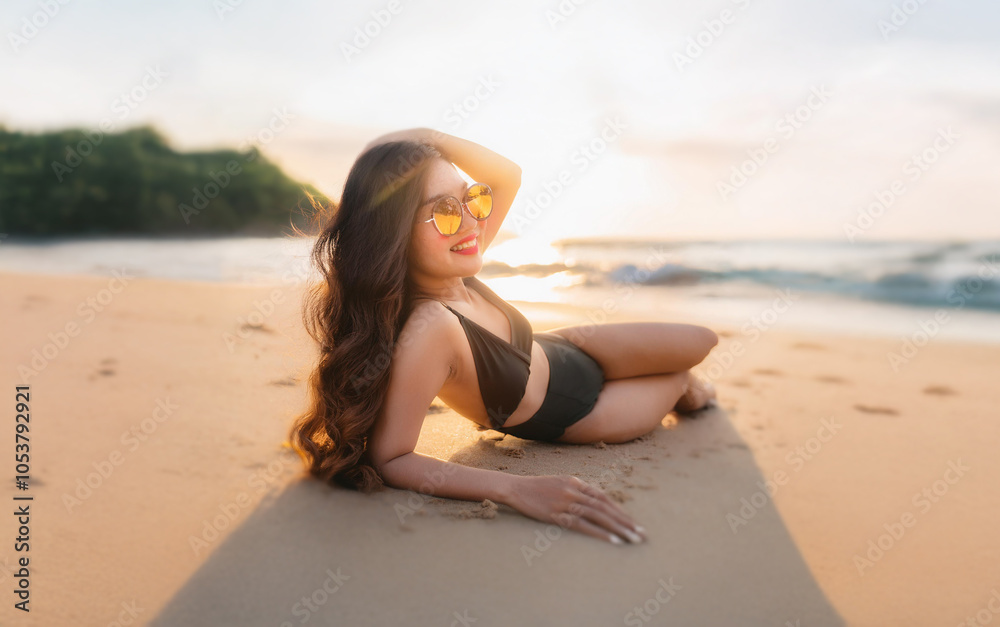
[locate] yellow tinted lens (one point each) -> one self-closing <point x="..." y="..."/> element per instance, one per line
<point x="448" y="216"/>
<point x="480" y="201"/>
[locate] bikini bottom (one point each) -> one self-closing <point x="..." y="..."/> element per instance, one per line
<point x="575" y="382"/>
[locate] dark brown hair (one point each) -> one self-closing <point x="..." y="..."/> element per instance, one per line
<point x="356" y="311"/>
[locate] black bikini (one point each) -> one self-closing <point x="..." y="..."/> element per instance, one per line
<point x="502" y="369"/>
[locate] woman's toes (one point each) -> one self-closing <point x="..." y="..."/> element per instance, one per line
<point x="700" y="395"/>
<point x="710" y="389"/>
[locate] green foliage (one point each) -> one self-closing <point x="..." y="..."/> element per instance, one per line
<point x="84" y="182"/>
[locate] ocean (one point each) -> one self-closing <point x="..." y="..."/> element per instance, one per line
<point x="882" y="288"/>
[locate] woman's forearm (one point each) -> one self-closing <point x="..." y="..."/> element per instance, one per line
<point x="435" y="477"/>
<point x="564" y="500"/>
<point x="478" y="161"/>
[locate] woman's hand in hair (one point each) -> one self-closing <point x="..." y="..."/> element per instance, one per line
<point x="418" y="134"/>
<point x="572" y="503"/>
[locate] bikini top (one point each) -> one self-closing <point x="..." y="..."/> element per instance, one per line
<point x="502" y="367"/>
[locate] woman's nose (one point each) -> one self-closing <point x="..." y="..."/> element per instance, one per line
<point x="467" y="216"/>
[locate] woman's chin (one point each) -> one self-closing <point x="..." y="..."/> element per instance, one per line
<point x="468" y="261"/>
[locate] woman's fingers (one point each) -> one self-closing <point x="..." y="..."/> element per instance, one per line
<point x="572" y="503"/>
<point x="586" y="515"/>
<point x="604" y="503"/>
<point x="596" y="512"/>
<point x="579" y="522"/>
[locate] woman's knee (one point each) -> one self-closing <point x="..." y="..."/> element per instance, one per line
<point x="711" y="337"/>
<point x="711" y="340"/>
<point x="703" y="341"/>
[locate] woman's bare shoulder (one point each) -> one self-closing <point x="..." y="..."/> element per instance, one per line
<point x="427" y="313"/>
<point x="429" y="330"/>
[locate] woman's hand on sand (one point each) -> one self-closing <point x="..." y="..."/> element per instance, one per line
<point x="572" y="503"/>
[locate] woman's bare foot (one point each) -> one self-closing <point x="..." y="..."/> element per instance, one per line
<point x="699" y="395"/>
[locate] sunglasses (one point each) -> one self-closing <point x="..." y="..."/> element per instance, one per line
<point x="447" y="213"/>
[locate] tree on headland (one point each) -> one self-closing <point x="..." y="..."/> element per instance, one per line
<point x="76" y="182"/>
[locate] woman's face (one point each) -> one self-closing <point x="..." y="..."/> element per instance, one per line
<point x="430" y="252"/>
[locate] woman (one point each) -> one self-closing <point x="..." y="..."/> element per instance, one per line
<point x="401" y="319"/>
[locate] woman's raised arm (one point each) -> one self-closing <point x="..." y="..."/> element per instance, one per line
<point x="482" y="164"/>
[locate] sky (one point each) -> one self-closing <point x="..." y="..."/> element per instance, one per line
<point x="746" y="119"/>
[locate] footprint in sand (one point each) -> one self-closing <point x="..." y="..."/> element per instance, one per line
<point x="809" y="346"/>
<point x="246" y="326"/>
<point x="32" y="301"/>
<point x="769" y="371"/>
<point x="870" y="409"/>
<point x="939" y="390"/>
<point x="830" y="378"/>
<point x="107" y="370"/>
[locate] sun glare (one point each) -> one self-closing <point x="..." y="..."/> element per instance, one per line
<point x="533" y="289"/>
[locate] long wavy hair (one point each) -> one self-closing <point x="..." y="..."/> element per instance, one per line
<point x="356" y="311"/>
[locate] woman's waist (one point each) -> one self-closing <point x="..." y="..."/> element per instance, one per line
<point x="465" y="396"/>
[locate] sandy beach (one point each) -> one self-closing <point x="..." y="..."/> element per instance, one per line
<point x="826" y="489"/>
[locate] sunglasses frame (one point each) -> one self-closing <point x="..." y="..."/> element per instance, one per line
<point x="465" y="207"/>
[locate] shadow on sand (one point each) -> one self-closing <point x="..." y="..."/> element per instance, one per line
<point x="324" y="556"/>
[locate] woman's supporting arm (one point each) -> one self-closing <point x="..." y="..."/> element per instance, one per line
<point x="563" y="500"/>
<point x="435" y="477"/>
<point x="421" y="365"/>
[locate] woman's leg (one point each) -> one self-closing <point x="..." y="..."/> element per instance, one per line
<point x="628" y="408"/>
<point x="635" y="349"/>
